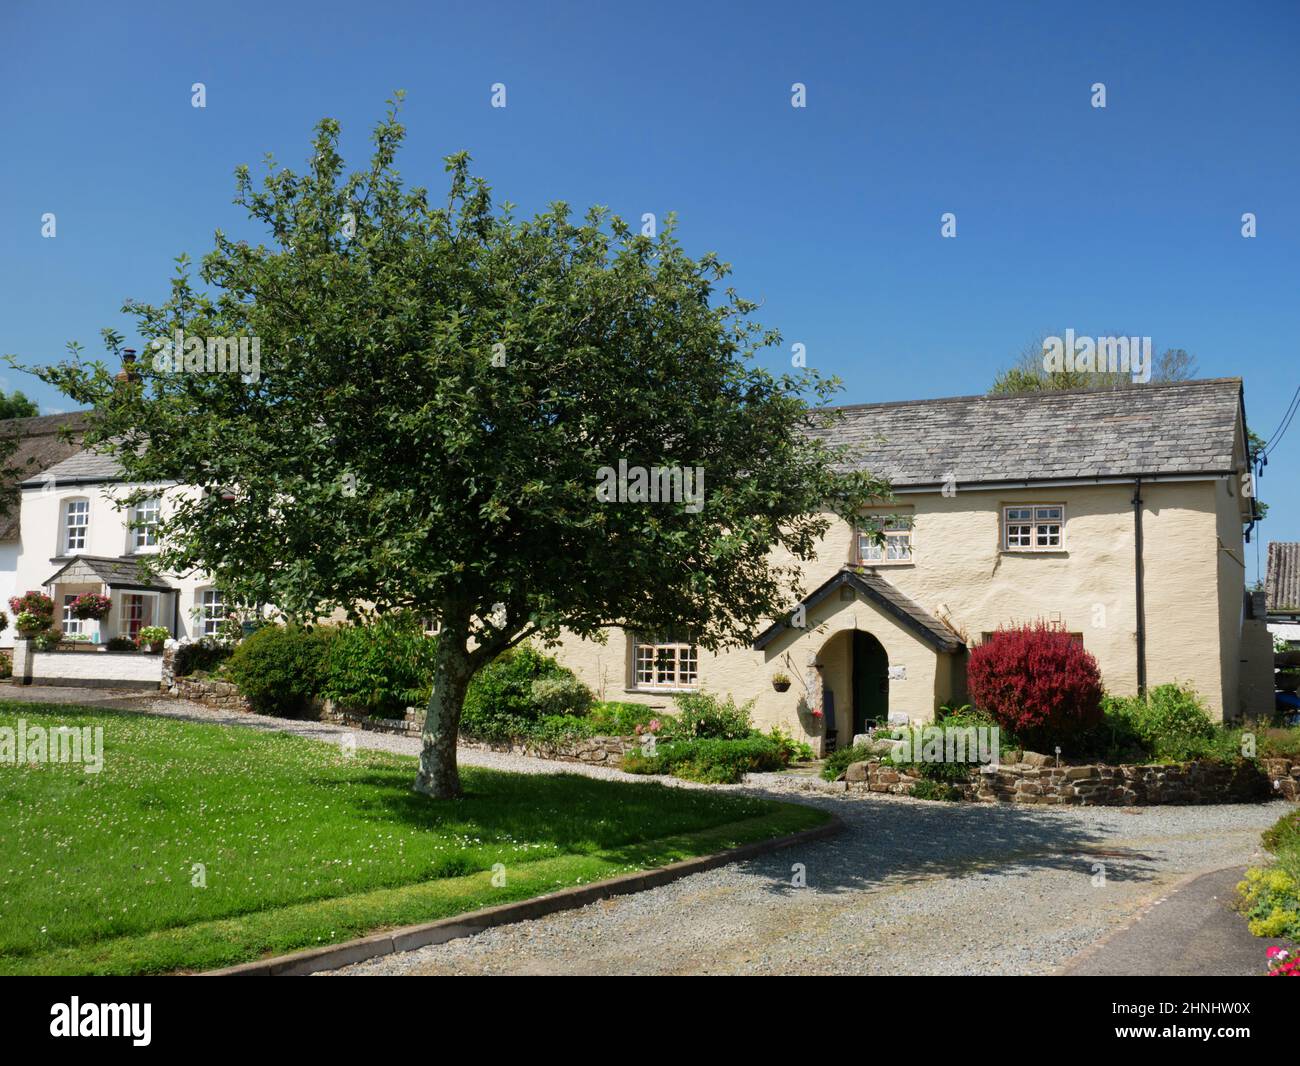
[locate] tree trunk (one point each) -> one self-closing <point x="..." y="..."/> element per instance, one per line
<point x="438" y="776"/>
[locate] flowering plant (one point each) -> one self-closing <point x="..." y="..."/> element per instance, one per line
<point x="91" y="605"/>
<point x="1281" y="964"/>
<point x="652" y="727"/>
<point x="36" y="604"/>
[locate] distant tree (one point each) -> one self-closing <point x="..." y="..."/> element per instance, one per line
<point x="16" y="405"/>
<point x="1029" y="374"/>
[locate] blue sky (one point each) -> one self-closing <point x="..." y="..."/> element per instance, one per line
<point x="1125" y="219"/>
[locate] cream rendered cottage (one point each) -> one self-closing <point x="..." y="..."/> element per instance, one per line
<point x="1115" y="514"/>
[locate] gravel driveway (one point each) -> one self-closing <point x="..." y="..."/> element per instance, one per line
<point x="911" y="887"/>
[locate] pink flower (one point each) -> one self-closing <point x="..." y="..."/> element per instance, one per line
<point x="655" y="725"/>
<point x="1276" y="952"/>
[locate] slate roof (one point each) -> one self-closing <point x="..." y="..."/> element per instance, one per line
<point x="82" y="468"/>
<point x="1177" y="428"/>
<point x="120" y="573"/>
<point x="875" y="588"/>
<point x="1282" y="587"/>
<point x="42" y="443"/>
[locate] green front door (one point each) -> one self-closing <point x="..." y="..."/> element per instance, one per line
<point x="870" y="682"/>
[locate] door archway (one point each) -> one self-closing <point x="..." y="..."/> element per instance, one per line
<point x="870" y="684"/>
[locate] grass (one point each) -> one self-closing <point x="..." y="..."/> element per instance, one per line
<point x="300" y="844"/>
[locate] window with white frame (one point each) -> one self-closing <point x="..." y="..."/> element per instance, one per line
<point x="1033" y="527"/>
<point x="76" y="523"/>
<point x="896" y="546"/>
<point x="212" y="612"/>
<point x="144" y="523"/>
<point x="665" y="664"/>
<point x="71" y="624"/>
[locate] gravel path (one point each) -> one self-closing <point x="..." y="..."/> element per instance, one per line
<point x="911" y="887"/>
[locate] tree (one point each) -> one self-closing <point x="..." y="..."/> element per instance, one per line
<point x="1028" y="373"/>
<point x="438" y="391"/>
<point x="16" y="405"/>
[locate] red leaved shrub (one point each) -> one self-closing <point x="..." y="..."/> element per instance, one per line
<point x="1037" y="682"/>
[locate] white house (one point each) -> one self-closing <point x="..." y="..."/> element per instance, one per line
<point x="41" y="441"/>
<point x="77" y="536"/>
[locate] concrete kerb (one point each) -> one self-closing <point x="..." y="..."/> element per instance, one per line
<point x="407" y="938"/>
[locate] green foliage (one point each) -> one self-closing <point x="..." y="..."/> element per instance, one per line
<point x="1270" y="895"/>
<point x="612" y="718"/>
<point x="123" y="644"/>
<point x="16" y="405"/>
<point x="524" y="356"/>
<point x="152" y="635"/>
<point x="279" y="668"/>
<point x="713" y="761"/>
<point x="6" y="664"/>
<point x="561" y="694"/>
<point x="381" y="668"/>
<point x="1029" y="373"/>
<point x="48" y="639"/>
<point x="200" y="655"/>
<point x="1174" y="712"/>
<point x="840" y="759"/>
<point x="499" y="704"/>
<point x="792" y="750"/>
<point x="935" y="789"/>
<point x="701" y="715"/>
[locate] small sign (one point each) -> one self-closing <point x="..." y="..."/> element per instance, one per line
<point x="898" y="673"/>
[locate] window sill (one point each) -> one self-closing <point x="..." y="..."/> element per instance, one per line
<point x="658" y="691"/>
<point x="890" y="564"/>
<point x="1035" y="551"/>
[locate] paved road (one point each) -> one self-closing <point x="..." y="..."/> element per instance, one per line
<point x="911" y="887"/>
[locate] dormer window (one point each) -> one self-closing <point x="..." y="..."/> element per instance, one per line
<point x="76" y="523"/>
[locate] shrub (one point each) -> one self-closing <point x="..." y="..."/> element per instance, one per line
<point x="1173" y="712"/>
<point x="1270" y="895"/>
<point x="561" y="694"/>
<point x="279" y="668"/>
<point x="499" y="702"/>
<point x="202" y="654"/>
<point x="703" y="716"/>
<point x="6" y="665"/>
<point x="152" y="635"/>
<point x="381" y="668"/>
<point x="616" y="719"/>
<point x="841" y="758"/>
<point x="936" y="790"/>
<point x="123" y="644"/>
<point x="711" y="760"/>
<point x="4" y="621"/>
<point x="1037" y="682"/>
<point x="793" y="750"/>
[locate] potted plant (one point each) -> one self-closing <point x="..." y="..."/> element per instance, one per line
<point x="152" y="637"/>
<point x="780" y="681"/>
<point x="29" y="624"/>
<point x="48" y="639"/>
<point x="91" y="605"/>
<point x="33" y="613"/>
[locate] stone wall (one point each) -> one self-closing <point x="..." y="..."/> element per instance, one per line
<point x="87" y="668"/>
<point x="408" y="725"/>
<point x="206" y="690"/>
<point x="599" y="751"/>
<point x="1186" y="783"/>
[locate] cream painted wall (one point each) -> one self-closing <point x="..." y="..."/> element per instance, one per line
<point x="960" y="575"/>
<point x="41" y="552"/>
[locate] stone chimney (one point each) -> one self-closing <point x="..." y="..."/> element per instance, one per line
<point x="128" y="371"/>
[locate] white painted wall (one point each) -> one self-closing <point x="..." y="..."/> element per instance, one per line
<point x="43" y="551"/>
<point x="101" y="666"/>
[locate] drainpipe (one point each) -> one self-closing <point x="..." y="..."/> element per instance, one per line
<point x="1140" y="597"/>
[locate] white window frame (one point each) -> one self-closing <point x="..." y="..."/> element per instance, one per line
<point x="71" y="625"/>
<point x="665" y="665"/>
<point x="78" y="505"/>
<point x="1041" y="529"/>
<point x="211" y="613"/>
<point x="899" y="547"/>
<point x="145" y="537"/>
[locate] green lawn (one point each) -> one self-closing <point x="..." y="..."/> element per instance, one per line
<point x="300" y="844"/>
